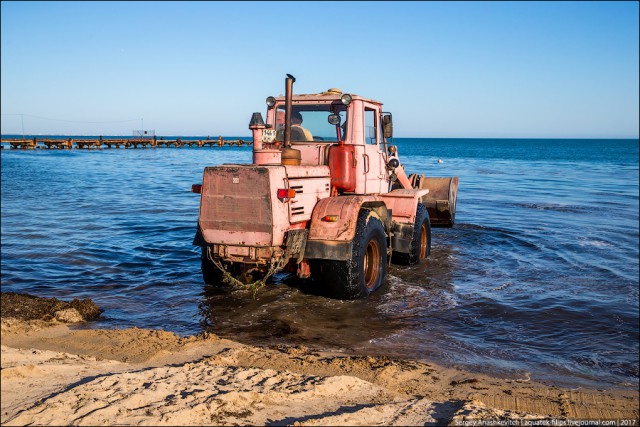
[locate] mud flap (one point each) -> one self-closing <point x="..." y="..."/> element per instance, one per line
<point x="296" y="242"/>
<point x="441" y="199"/>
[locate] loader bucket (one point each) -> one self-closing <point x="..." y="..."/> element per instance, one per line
<point x="441" y="199"/>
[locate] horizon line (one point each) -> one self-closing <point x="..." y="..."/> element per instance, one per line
<point x="398" y="137"/>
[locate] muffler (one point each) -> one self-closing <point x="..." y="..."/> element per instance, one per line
<point x="289" y="155"/>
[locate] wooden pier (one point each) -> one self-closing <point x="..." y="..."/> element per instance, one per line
<point x="54" y="143"/>
<point x="100" y="143"/>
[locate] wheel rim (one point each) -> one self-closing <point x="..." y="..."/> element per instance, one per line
<point x="371" y="264"/>
<point x="423" y="241"/>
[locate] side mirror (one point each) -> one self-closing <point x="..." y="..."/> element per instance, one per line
<point x="334" y="119"/>
<point x="387" y="126"/>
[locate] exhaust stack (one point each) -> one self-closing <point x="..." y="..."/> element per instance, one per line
<point x="287" y="106"/>
<point x="289" y="156"/>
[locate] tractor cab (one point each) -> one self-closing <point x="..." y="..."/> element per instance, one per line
<point x="332" y="128"/>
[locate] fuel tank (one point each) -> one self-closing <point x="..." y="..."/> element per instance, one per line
<point x="342" y="167"/>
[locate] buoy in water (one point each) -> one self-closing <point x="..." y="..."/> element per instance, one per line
<point x="440" y="161"/>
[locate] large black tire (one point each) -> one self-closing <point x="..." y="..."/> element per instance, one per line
<point x="420" y="242"/>
<point x="364" y="272"/>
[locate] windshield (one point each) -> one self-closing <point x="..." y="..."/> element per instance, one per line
<point x="311" y="122"/>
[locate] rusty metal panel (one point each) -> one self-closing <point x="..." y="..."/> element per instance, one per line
<point x="403" y="203"/>
<point x="236" y="205"/>
<point x="441" y="200"/>
<point x="307" y="171"/>
<point x="346" y="208"/>
<point x="311" y="183"/>
<point x="308" y="192"/>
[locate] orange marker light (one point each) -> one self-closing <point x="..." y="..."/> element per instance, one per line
<point x="330" y="218"/>
<point x="286" y="193"/>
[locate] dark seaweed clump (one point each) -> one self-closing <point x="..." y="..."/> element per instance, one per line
<point x="29" y="307"/>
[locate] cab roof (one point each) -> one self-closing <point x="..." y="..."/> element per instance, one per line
<point x="330" y="95"/>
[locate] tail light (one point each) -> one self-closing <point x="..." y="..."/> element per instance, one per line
<point x="286" y="193"/>
<point x="196" y="188"/>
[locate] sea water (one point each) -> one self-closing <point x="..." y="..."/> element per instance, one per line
<point x="538" y="278"/>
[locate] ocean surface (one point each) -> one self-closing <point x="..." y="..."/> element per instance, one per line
<point x="538" y="278"/>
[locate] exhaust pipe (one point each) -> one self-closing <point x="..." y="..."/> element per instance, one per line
<point x="289" y="156"/>
<point x="288" y="110"/>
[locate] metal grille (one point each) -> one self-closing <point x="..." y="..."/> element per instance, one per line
<point x="236" y="199"/>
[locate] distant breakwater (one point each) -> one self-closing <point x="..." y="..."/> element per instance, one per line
<point x="99" y="143"/>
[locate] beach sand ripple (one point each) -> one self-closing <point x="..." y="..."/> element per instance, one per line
<point x="53" y="374"/>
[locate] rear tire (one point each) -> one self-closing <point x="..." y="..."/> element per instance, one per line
<point x="421" y="241"/>
<point x="365" y="272"/>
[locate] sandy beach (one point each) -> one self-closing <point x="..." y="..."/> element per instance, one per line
<point x="55" y="373"/>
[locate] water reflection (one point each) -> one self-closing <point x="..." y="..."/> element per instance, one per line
<point x="409" y="296"/>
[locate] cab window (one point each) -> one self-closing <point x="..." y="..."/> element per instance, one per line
<point x="310" y="122"/>
<point x="370" y="126"/>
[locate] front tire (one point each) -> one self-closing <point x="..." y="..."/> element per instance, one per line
<point x="365" y="271"/>
<point x="421" y="240"/>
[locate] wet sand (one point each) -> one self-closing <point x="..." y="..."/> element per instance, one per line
<point x="56" y="374"/>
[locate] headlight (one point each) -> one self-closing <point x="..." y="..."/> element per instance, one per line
<point x="271" y="101"/>
<point x="346" y="99"/>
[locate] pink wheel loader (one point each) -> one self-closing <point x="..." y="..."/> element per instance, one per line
<point x="325" y="198"/>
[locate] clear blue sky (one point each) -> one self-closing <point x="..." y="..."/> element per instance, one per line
<point x="444" y="69"/>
